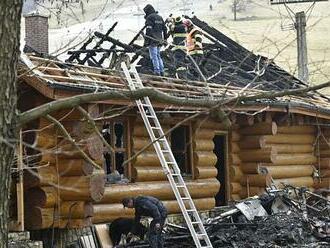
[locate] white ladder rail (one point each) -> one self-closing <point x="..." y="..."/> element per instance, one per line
<point x="168" y="162"/>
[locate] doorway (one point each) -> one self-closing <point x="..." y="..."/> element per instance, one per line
<point x="220" y="150"/>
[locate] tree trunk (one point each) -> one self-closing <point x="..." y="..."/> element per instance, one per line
<point x="10" y="16"/>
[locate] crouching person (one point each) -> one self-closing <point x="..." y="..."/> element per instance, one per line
<point x="149" y="206"/>
<point x="124" y="226"/>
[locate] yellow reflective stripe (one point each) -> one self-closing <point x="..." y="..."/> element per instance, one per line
<point x="179" y="47"/>
<point x="199" y="44"/>
<point x="179" y="35"/>
<point x="196" y="52"/>
<point x="198" y="36"/>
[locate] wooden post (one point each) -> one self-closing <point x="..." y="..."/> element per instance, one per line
<point x="19" y="186"/>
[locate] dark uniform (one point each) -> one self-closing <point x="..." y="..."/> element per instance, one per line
<point x="151" y="207"/>
<point x="178" y="32"/>
<point x="154" y="37"/>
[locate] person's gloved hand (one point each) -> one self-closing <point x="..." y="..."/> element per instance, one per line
<point x="157" y="226"/>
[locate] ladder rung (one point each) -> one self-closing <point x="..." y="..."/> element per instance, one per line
<point x="166" y="151"/>
<point x="185" y="198"/>
<point x="156" y="128"/>
<point x="191" y="210"/>
<point x="196" y="222"/>
<point x="180" y="186"/>
<point x="151" y="116"/>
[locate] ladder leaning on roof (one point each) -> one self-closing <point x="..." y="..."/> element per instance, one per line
<point x="168" y="162"/>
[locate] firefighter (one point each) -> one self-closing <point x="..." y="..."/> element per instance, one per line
<point x="178" y="32"/>
<point x="150" y="207"/>
<point x="194" y="45"/>
<point x="154" y="37"/>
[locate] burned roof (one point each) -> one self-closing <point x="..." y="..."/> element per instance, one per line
<point x="56" y="79"/>
<point x="225" y="61"/>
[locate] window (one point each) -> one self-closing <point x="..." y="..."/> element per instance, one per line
<point x="181" y="148"/>
<point x="115" y="133"/>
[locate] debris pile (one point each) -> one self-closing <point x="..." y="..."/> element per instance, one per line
<point x="292" y="217"/>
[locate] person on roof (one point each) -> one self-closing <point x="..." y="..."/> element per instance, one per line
<point x="194" y="45"/>
<point x="155" y="36"/>
<point x="150" y="207"/>
<point x="178" y="33"/>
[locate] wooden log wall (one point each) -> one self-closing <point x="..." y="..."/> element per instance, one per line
<point x="149" y="178"/>
<point x="322" y="149"/>
<point x="61" y="190"/>
<point x="234" y="164"/>
<point x="284" y="153"/>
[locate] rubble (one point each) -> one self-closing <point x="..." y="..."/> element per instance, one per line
<point x="292" y="217"/>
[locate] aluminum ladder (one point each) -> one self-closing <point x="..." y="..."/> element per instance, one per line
<point x="168" y="162"/>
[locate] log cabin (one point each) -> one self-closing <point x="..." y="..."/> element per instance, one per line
<point x="80" y="162"/>
<point x="282" y="140"/>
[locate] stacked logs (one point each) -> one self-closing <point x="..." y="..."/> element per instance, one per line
<point x="282" y="153"/>
<point x="60" y="191"/>
<point x="146" y="166"/>
<point x="204" y="159"/>
<point x="322" y="150"/>
<point x="150" y="179"/>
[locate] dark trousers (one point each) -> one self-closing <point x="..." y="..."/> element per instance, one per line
<point x="194" y="72"/>
<point x="156" y="238"/>
<point x="179" y="63"/>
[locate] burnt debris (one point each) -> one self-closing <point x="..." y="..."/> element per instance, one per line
<point x="292" y="217"/>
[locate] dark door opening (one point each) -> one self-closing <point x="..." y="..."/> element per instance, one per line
<point x="220" y="152"/>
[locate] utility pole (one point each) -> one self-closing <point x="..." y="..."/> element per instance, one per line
<point x="300" y="26"/>
<point x="235" y="9"/>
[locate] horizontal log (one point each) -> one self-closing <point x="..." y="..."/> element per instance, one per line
<point x="234" y="159"/>
<point x="203" y="145"/>
<point x="43" y="197"/>
<point x="78" y="128"/>
<point x="147" y="159"/>
<point x="207" y="159"/>
<point x="76" y="210"/>
<point x="261" y="128"/>
<point x="296" y="181"/>
<point x="322" y="183"/>
<point x="202" y="188"/>
<point x="38" y="218"/>
<point x="258" y="155"/>
<point x="250" y="168"/>
<point x="324" y="163"/>
<point x="83" y="188"/>
<point x="235" y="188"/>
<point x="325" y="173"/>
<point x="44" y="140"/>
<point x="289" y="139"/>
<point x="234" y="147"/>
<point x="251" y="191"/>
<point x="235" y="197"/>
<point x="289" y="171"/>
<point x="255" y="180"/>
<point x="298" y="158"/>
<point x="252" y="142"/>
<point x="290" y="148"/>
<point x="104" y="213"/>
<point x="143" y="174"/>
<point x="74" y="167"/>
<point x="204" y="133"/>
<point x="209" y="124"/>
<point x="43" y="176"/>
<point x="141" y="142"/>
<point x="140" y="131"/>
<point x="205" y="172"/>
<point x="75" y="223"/>
<point x="324" y="153"/>
<point x="91" y="145"/>
<point x="326" y="132"/>
<point x="295" y="129"/>
<point x="235" y="173"/>
<point x="234" y="136"/>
